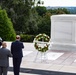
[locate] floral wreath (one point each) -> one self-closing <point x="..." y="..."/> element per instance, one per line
<point x="41" y="39"/>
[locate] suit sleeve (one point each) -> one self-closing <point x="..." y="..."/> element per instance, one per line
<point x="12" y="48"/>
<point x="9" y="53"/>
<point x="22" y="45"/>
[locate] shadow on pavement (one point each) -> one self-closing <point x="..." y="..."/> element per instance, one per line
<point x="41" y="72"/>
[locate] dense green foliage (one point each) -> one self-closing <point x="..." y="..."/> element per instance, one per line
<point x="45" y="24"/>
<point x="59" y="11"/>
<point x="27" y="38"/>
<point x="28" y="17"/>
<point x="41" y="10"/>
<point x="19" y="12"/>
<point x="6" y="27"/>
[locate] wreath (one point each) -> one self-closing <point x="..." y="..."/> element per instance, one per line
<point x="41" y="42"/>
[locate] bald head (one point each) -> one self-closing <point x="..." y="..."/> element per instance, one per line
<point x="4" y="44"/>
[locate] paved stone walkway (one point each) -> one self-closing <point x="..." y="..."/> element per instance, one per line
<point x="55" y="62"/>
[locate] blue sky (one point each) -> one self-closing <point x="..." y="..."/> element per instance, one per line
<point x="68" y="3"/>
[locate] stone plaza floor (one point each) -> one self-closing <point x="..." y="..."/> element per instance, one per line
<point x="51" y="62"/>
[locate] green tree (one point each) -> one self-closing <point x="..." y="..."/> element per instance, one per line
<point x="62" y="11"/>
<point x="58" y="11"/>
<point x="6" y="27"/>
<point x="20" y="12"/>
<point x="45" y="24"/>
<point x="41" y="10"/>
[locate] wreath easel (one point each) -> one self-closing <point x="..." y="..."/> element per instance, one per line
<point x="41" y="43"/>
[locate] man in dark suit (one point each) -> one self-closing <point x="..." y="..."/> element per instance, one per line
<point x="16" y="50"/>
<point x="4" y="59"/>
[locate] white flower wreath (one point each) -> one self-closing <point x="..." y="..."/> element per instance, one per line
<point x="43" y="40"/>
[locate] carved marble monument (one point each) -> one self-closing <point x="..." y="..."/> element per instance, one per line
<point x="63" y="32"/>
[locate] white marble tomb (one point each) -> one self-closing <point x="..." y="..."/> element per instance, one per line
<point x="63" y="32"/>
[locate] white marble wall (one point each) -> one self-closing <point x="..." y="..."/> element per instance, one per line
<point x="63" y="32"/>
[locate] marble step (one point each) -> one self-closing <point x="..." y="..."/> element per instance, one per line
<point x="60" y="46"/>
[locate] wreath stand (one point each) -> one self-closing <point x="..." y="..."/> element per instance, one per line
<point x="41" y="55"/>
<point x="41" y="43"/>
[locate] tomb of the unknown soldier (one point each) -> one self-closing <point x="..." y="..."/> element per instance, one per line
<point x="63" y="32"/>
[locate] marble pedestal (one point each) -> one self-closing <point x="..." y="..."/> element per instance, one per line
<point x="63" y="32"/>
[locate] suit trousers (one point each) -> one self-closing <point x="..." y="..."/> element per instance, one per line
<point x="16" y="65"/>
<point x="3" y="70"/>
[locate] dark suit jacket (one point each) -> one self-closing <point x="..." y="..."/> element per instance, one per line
<point x="4" y="57"/>
<point x="16" y="49"/>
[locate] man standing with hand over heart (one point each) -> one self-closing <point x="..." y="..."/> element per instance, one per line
<point x="16" y="50"/>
